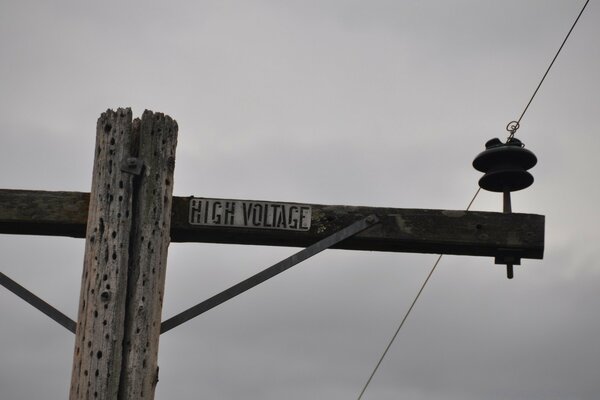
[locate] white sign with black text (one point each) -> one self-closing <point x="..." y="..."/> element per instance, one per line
<point x="250" y="214"/>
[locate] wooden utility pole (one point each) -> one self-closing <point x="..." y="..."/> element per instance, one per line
<point x="127" y="239"/>
<point x="130" y="217"/>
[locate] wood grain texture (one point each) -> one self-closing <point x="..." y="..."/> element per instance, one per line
<point x="149" y="246"/>
<point x="401" y="230"/>
<point x="36" y="212"/>
<point x="127" y="239"/>
<point x="99" y="336"/>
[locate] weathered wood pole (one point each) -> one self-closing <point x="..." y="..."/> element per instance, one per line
<point x="127" y="239"/>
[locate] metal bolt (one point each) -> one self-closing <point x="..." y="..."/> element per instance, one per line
<point x="371" y="219"/>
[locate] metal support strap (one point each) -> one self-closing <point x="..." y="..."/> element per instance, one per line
<point x="268" y="273"/>
<point x="37" y="302"/>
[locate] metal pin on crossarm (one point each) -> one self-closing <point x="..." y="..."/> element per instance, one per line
<point x="505" y="166"/>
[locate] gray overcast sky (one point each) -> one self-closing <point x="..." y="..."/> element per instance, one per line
<point x="382" y="103"/>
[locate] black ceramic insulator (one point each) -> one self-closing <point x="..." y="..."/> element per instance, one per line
<point x="505" y="166"/>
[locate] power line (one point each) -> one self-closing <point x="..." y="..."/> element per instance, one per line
<point x="512" y="127"/>
<point x="435" y="264"/>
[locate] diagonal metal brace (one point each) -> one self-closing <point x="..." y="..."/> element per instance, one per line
<point x="268" y="273"/>
<point x="37" y="302"/>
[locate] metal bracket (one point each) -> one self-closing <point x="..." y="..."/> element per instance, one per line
<point x="132" y="165"/>
<point x="37" y="302"/>
<point x="508" y="257"/>
<point x="268" y="273"/>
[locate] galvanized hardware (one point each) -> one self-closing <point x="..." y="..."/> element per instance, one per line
<point x="512" y="127"/>
<point x="37" y="303"/>
<point x="132" y="165"/>
<point x="505" y="166"/>
<point x="508" y="258"/>
<point x="268" y="273"/>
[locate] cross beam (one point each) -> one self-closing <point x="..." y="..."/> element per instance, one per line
<point x="401" y="230"/>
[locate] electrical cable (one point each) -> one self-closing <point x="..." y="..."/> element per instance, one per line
<point x="514" y="125"/>
<point x="435" y="264"/>
<point x="512" y="128"/>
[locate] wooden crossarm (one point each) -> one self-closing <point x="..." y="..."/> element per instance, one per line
<point x="401" y="230"/>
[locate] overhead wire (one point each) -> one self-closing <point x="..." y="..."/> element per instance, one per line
<point x="552" y="62"/>
<point x="435" y="264"/>
<point x="512" y="127"/>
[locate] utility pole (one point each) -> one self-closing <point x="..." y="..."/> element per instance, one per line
<point x="130" y="217"/>
<point x="127" y="239"/>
